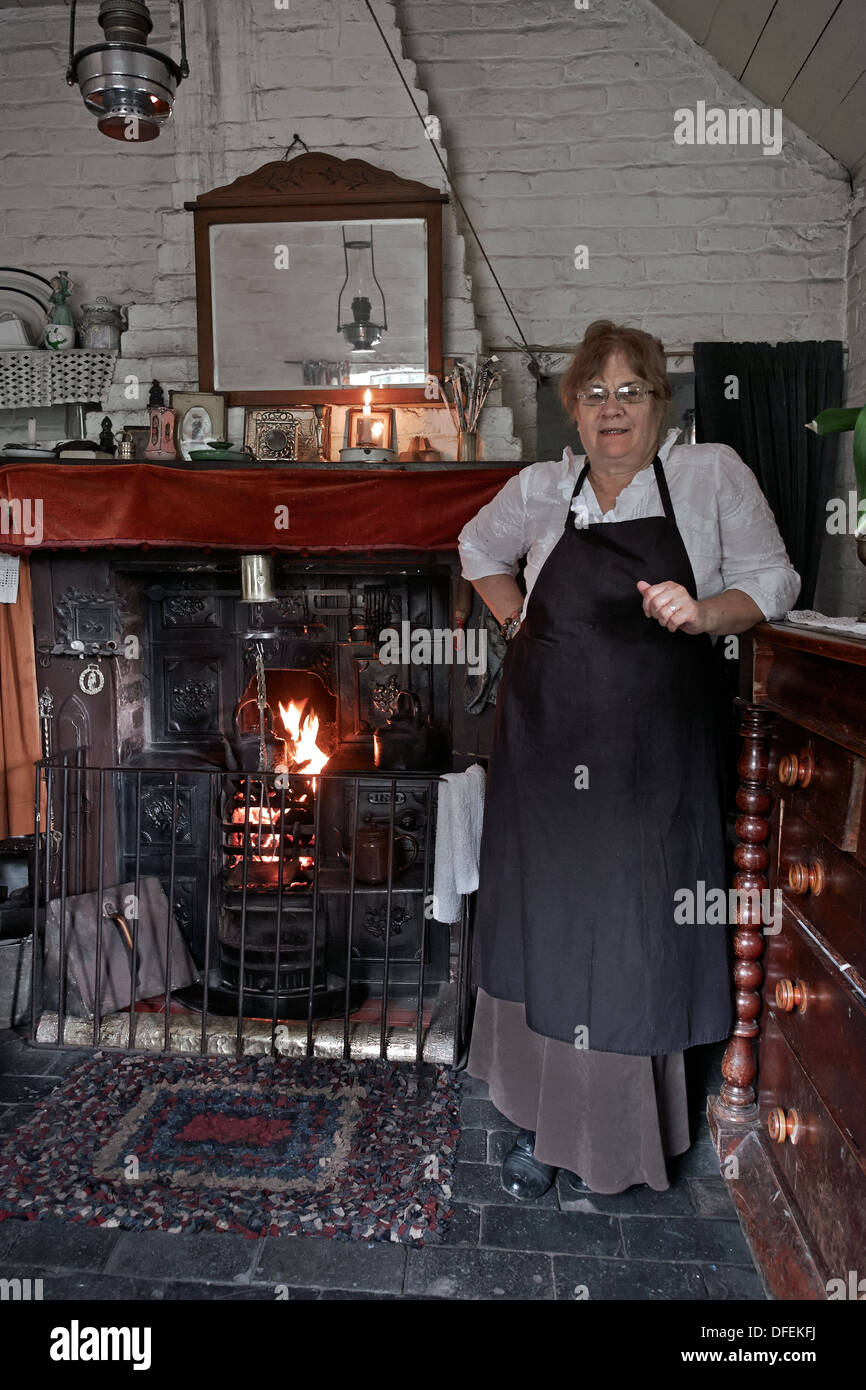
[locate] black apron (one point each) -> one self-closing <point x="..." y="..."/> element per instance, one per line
<point x="576" y="903"/>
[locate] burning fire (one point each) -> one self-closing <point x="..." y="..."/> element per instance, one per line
<point x="265" y="838"/>
<point x="305" y="755"/>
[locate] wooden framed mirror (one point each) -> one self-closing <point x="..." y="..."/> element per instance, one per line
<point x="278" y="251"/>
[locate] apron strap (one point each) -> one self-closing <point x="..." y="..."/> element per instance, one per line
<point x="661" y="482"/>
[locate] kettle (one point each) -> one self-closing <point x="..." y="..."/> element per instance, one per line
<point x="242" y="750"/>
<point x="371" y="852"/>
<point x="406" y="742"/>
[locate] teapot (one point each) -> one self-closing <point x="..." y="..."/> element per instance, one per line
<point x="371" y="852"/>
<point x="406" y="742"/>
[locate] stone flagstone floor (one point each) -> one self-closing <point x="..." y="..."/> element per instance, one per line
<point x="685" y="1243"/>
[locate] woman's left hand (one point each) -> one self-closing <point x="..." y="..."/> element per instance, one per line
<point x="672" y="606"/>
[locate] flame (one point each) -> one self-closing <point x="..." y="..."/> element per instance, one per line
<point x="305" y="754"/>
<point x="368" y="396"/>
<point x="263" y="840"/>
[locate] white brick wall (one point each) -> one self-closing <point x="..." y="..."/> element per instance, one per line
<point x="320" y="69"/>
<point x="258" y="75"/>
<point x="560" y="125"/>
<point x="69" y="197"/>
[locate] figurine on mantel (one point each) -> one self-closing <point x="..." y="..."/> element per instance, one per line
<point x="162" y="417"/>
<point x="106" y="438"/>
<point x="419" y="451"/>
<point x="60" y="328"/>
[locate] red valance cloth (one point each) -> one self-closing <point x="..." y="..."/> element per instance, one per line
<point x="138" y="504"/>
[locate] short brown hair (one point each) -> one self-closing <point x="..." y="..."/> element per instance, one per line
<point x="645" y="353"/>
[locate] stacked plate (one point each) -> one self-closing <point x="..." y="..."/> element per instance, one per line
<point x="34" y="452"/>
<point x="24" y="301"/>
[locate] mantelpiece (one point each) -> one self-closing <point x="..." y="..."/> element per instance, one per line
<point x="316" y="509"/>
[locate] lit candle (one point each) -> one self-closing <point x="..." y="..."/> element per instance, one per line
<point x="365" y="424"/>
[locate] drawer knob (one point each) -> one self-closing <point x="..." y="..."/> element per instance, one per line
<point x="791" y="995"/>
<point x="806" y="878"/>
<point x="794" y="771"/>
<point x="781" y="1126"/>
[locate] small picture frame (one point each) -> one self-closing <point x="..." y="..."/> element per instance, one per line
<point x="371" y="431"/>
<point x="287" y="434"/>
<point x="200" y="417"/>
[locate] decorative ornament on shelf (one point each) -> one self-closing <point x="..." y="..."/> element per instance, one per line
<point x="60" y="329"/>
<point x="839" y="421"/>
<point x="102" y="324"/>
<point x="420" y="450"/>
<point x="162" y="417"/>
<point x="106" y="438"/>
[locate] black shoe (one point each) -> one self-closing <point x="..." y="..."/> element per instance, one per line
<point x="522" y="1175"/>
<point x="574" y="1183"/>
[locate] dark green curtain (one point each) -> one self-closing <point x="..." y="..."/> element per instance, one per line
<point x="778" y="389"/>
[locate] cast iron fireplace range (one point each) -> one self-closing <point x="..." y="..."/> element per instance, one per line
<point x="226" y="892"/>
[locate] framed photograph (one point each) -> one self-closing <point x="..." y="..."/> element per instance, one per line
<point x="373" y="431"/>
<point x="287" y="434"/>
<point x="201" y="417"/>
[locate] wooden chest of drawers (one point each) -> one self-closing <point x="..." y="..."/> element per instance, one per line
<point x="789" y="1122"/>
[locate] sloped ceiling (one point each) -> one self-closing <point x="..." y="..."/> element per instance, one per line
<point x="806" y="56"/>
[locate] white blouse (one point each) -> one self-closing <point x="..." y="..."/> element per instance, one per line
<point x="728" y="529"/>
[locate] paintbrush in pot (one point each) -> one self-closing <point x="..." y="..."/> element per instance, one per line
<point x="444" y="394"/>
<point x="458" y="394"/>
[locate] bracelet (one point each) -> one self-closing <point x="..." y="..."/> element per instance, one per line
<point x="510" y="625"/>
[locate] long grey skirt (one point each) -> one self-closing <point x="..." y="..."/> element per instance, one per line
<point x="610" y="1118"/>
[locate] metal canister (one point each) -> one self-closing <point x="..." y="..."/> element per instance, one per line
<point x="101" y="325"/>
<point x="257" y="579"/>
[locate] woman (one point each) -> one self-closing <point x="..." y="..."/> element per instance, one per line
<point x="603" y="791"/>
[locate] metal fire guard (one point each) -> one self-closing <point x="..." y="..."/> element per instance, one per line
<point x="97" y="941"/>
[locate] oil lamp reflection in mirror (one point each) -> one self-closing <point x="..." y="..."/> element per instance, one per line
<point x="363" y="291"/>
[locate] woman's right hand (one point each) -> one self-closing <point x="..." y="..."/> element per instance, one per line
<point x="501" y="593"/>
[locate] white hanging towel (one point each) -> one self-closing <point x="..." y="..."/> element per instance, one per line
<point x="458" y="840"/>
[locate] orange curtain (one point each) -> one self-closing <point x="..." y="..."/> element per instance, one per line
<point x="20" y="745"/>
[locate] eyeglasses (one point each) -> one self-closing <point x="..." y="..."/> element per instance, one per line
<point x="630" y="394"/>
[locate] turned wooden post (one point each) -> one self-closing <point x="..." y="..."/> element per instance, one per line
<point x="737" y="1098"/>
